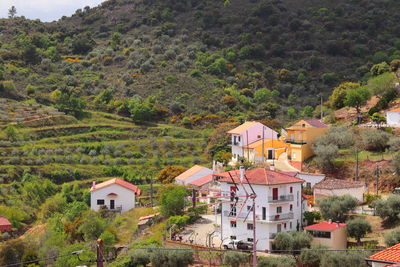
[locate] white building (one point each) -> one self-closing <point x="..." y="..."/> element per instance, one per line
<point x="277" y="205"/>
<point x="393" y="117"/>
<point x="337" y="187"/>
<point x="247" y="133"/>
<point x="310" y="179"/>
<point x="114" y="194"/>
<point x="192" y="174"/>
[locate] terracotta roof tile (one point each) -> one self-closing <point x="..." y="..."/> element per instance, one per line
<point x="387" y="255"/>
<point x="117" y="181"/>
<point x="186" y="174"/>
<point x="241" y="128"/>
<point x="325" y="226"/>
<point x="394" y="110"/>
<point x="4" y="221"/>
<point x="260" y="176"/>
<point x="316" y="123"/>
<point x="202" y="181"/>
<point x="332" y="183"/>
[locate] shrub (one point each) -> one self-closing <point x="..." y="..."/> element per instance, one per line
<point x="338" y="96"/>
<point x="350" y="258"/>
<point x="392" y="238"/>
<point x="379" y="69"/>
<point x="168" y="174"/>
<point x="235" y="259"/>
<point x="325" y="155"/>
<point x="283" y="261"/>
<point x="388" y="209"/>
<point x="172" y="201"/>
<point x="358" y="228"/>
<point x="312" y="257"/>
<point x="336" y="207"/>
<point x="375" y="140"/>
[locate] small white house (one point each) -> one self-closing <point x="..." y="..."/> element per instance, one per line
<point x="310" y="179"/>
<point x="393" y="117"/>
<point x="337" y="187"/>
<point x="192" y="174"/>
<point x="115" y="194"/>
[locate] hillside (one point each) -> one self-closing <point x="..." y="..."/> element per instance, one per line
<point x="201" y="57"/>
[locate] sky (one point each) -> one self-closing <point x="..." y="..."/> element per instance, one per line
<point x="45" y="10"/>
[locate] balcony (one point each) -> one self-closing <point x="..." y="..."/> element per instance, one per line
<point x="242" y="215"/>
<point x="281" y="198"/>
<point x="281" y="217"/>
<point x="295" y="142"/>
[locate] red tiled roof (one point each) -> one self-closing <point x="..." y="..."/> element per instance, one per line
<point x="260" y="176"/>
<point x="149" y="216"/>
<point x="332" y="183"/>
<point x="325" y="226"/>
<point x="202" y="181"/>
<point x="394" y="110"/>
<point x="316" y="123"/>
<point x="387" y="255"/>
<point x="117" y="181"/>
<point x="4" y="221"/>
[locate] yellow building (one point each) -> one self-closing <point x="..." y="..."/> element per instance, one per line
<point x="272" y="149"/>
<point x="300" y="137"/>
<point x="330" y="234"/>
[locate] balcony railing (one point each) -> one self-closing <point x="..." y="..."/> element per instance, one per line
<point x="281" y="217"/>
<point x="295" y="142"/>
<point x="242" y="215"/>
<point x="281" y="198"/>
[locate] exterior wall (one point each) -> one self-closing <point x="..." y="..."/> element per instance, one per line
<point x="338" y="239"/>
<point x="393" y="118"/>
<point x="267" y="227"/>
<point x="125" y="198"/>
<point x="278" y="146"/>
<point x="357" y="192"/>
<point x="195" y="176"/>
<point x="379" y="264"/>
<point x="310" y="178"/>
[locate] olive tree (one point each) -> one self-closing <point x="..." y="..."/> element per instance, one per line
<point x="336" y="207"/>
<point x="358" y="228"/>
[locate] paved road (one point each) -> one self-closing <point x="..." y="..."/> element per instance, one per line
<point x="282" y="164"/>
<point x="203" y="228"/>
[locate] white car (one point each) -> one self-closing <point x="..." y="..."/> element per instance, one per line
<point x="237" y="244"/>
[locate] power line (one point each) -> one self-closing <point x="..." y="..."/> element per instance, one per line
<point x="44" y="259"/>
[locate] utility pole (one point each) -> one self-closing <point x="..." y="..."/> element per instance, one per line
<point x="322" y="112"/>
<point x="100" y="253"/>
<point x="356" y="174"/>
<point x="254" y="232"/>
<point x="151" y="191"/>
<point x="263" y="149"/>
<point x="378" y="171"/>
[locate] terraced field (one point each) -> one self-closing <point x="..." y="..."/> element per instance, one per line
<point x="103" y="145"/>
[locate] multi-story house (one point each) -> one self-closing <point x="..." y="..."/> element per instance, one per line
<point x="248" y="133"/>
<point x="278" y="205"/>
<point x="300" y="137"/>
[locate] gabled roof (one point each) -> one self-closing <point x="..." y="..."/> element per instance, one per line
<point x="390" y="255"/>
<point x="186" y="174"/>
<point x="394" y="110"/>
<point x="325" y="226"/>
<point x="4" y="221"/>
<point x="119" y="182"/>
<point x="332" y="183"/>
<point x="241" y="128"/>
<point x="202" y="181"/>
<point x="260" y="176"/>
<point x="316" y="123"/>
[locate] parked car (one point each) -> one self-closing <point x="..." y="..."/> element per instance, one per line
<point x="237" y="244"/>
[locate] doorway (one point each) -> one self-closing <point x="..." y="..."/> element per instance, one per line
<point x="274" y="193"/>
<point x="112" y="204"/>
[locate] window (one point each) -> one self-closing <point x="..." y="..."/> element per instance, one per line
<point x="278" y="209"/>
<point x="291" y="190"/>
<point x="284" y="225"/>
<point x="234" y="140"/>
<point x="238" y="138"/>
<point x="293" y="155"/>
<point x="320" y="234"/>
<point x="249" y="208"/>
<point x="291" y="207"/>
<point x="308" y="185"/>
<point x="250" y="226"/>
<point x="233" y="210"/>
<point x="233" y="224"/>
<point x="290" y="224"/>
<point x="250" y="239"/>
<point x="278" y="228"/>
<point x="303" y="125"/>
<point x="100" y="202"/>
<point x="258" y="136"/>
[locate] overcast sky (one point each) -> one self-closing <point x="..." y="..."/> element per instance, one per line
<point x="45" y="10"/>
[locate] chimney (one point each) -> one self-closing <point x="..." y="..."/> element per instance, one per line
<point x="330" y="221"/>
<point x="93" y="184"/>
<point x="241" y="173"/>
<point x="271" y="167"/>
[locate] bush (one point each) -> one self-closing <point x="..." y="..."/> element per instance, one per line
<point x="162" y="258"/>
<point x="375" y="140"/>
<point x="235" y="259"/>
<point x="168" y="174"/>
<point x="325" y="155"/>
<point x="336" y="207"/>
<point x="388" y="209"/>
<point x="392" y="238"/>
<point x="358" y="228"/>
<point x="172" y="201"/>
<point x="283" y="261"/>
<point x="292" y="240"/>
<point x="312" y="257"/>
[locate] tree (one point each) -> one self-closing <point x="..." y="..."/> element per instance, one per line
<point x="312" y="256"/>
<point x="69" y="102"/>
<point x="283" y="261"/>
<point x="263" y="95"/>
<point x="344" y="259"/>
<point x="73" y="260"/>
<point x="12" y="251"/>
<point x="375" y="140"/>
<point x="103" y="98"/>
<point x="336" y="207"/>
<point x="393" y="237"/>
<point x="92" y="226"/>
<point x="11" y="133"/>
<point x="172" y="201"/>
<point x="219" y="139"/>
<point x="291" y="113"/>
<point x="171" y="258"/>
<point x="380" y="68"/>
<point x="141" y="111"/>
<point x="396" y="164"/>
<point x="340" y="136"/>
<point x="82" y="43"/>
<point x="325" y="155"/>
<point x="235" y="259"/>
<point x="307" y="112"/>
<point x="16" y="217"/>
<point x="388" y="209"/>
<point x="338" y="96"/>
<point x="12" y="11"/>
<point x="168" y="174"/>
<point x="292" y="240"/>
<point x="357" y="98"/>
<point x="378" y="119"/>
<point x="312" y="216"/>
<point x="358" y="228"/>
<point x="31" y="55"/>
